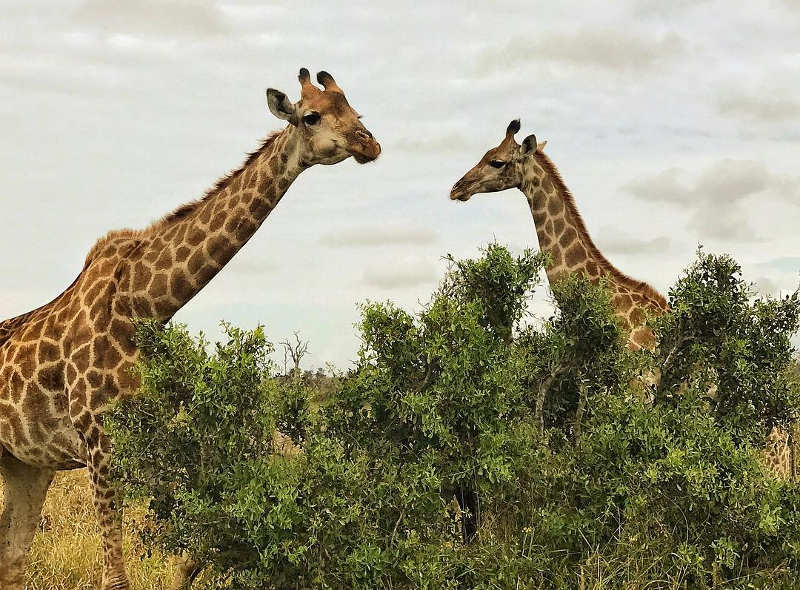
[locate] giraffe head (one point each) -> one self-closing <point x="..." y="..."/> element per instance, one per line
<point x="499" y="168"/>
<point x="328" y="127"/>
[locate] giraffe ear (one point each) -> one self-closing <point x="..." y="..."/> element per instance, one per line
<point x="529" y="145"/>
<point x="280" y="106"/>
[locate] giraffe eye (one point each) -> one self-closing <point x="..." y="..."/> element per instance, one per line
<point x="497" y="163"/>
<point x="311" y="118"/>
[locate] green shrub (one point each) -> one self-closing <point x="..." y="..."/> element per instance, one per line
<point x="578" y="478"/>
<point x="722" y="340"/>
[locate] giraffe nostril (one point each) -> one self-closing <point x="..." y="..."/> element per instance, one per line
<point x="364" y="134"/>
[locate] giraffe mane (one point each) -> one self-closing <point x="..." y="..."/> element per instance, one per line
<point x="182" y="211"/>
<point x="603" y="263"/>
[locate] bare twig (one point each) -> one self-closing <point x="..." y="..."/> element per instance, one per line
<point x="296" y="350"/>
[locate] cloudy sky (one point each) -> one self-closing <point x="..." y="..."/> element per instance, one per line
<point x="674" y="124"/>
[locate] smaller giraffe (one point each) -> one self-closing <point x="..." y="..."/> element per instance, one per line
<point x="563" y="235"/>
<point x="559" y="226"/>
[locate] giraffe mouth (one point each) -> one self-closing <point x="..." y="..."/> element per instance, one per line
<point x="365" y="154"/>
<point x="361" y="158"/>
<point x="459" y="192"/>
<point x="365" y="149"/>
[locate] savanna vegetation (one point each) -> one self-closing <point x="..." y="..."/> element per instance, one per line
<point x="471" y="446"/>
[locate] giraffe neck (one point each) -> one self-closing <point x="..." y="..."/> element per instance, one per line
<point x="563" y="235"/>
<point x="560" y="229"/>
<point x="179" y="255"/>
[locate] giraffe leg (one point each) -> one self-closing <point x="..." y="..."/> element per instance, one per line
<point x="25" y="491"/>
<point x="109" y="515"/>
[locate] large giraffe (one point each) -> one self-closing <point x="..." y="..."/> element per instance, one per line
<point x="559" y="226"/>
<point x="64" y="363"/>
<point x="563" y="235"/>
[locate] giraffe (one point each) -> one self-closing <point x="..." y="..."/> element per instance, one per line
<point x="560" y="228"/>
<point x="63" y="364"/>
<point x="563" y="235"/>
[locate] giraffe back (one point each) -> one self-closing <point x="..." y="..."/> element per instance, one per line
<point x="10" y="326"/>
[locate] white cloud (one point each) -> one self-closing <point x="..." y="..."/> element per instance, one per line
<point x="730" y="180"/>
<point x="660" y="8"/>
<point x="603" y="48"/>
<point x="722" y="182"/>
<point x="789" y="264"/>
<point x="430" y="142"/>
<point x="379" y="235"/>
<point x="668" y="185"/>
<point x="402" y="273"/>
<point x="170" y="18"/>
<point x="613" y="240"/>
<point x="763" y="107"/>
<point x="717" y="196"/>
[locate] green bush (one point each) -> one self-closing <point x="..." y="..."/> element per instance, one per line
<point x="579" y="352"/>
<point x="662" y="491"/>
<point x="444" y="382"/>
<point x="578" y="477"/>
<point x="722" y="340"/>
<point x="198" y="445"/>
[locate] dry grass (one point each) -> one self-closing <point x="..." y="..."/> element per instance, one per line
<point x="66" y="552"/>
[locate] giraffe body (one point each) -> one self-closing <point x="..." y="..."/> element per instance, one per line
<point x="63" y="364"/>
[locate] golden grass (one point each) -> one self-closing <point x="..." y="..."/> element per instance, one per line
<point x="66" y="552"/>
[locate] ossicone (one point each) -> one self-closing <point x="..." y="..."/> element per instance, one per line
<point x="513" y="128"/>
<point x="307" y="88"/>
<point x="328" y="83"/>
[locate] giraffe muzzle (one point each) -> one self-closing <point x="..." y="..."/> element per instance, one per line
<point x="363" y="146"/>
<point x="365" y="152"/>
<point x="459" y="191"/>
